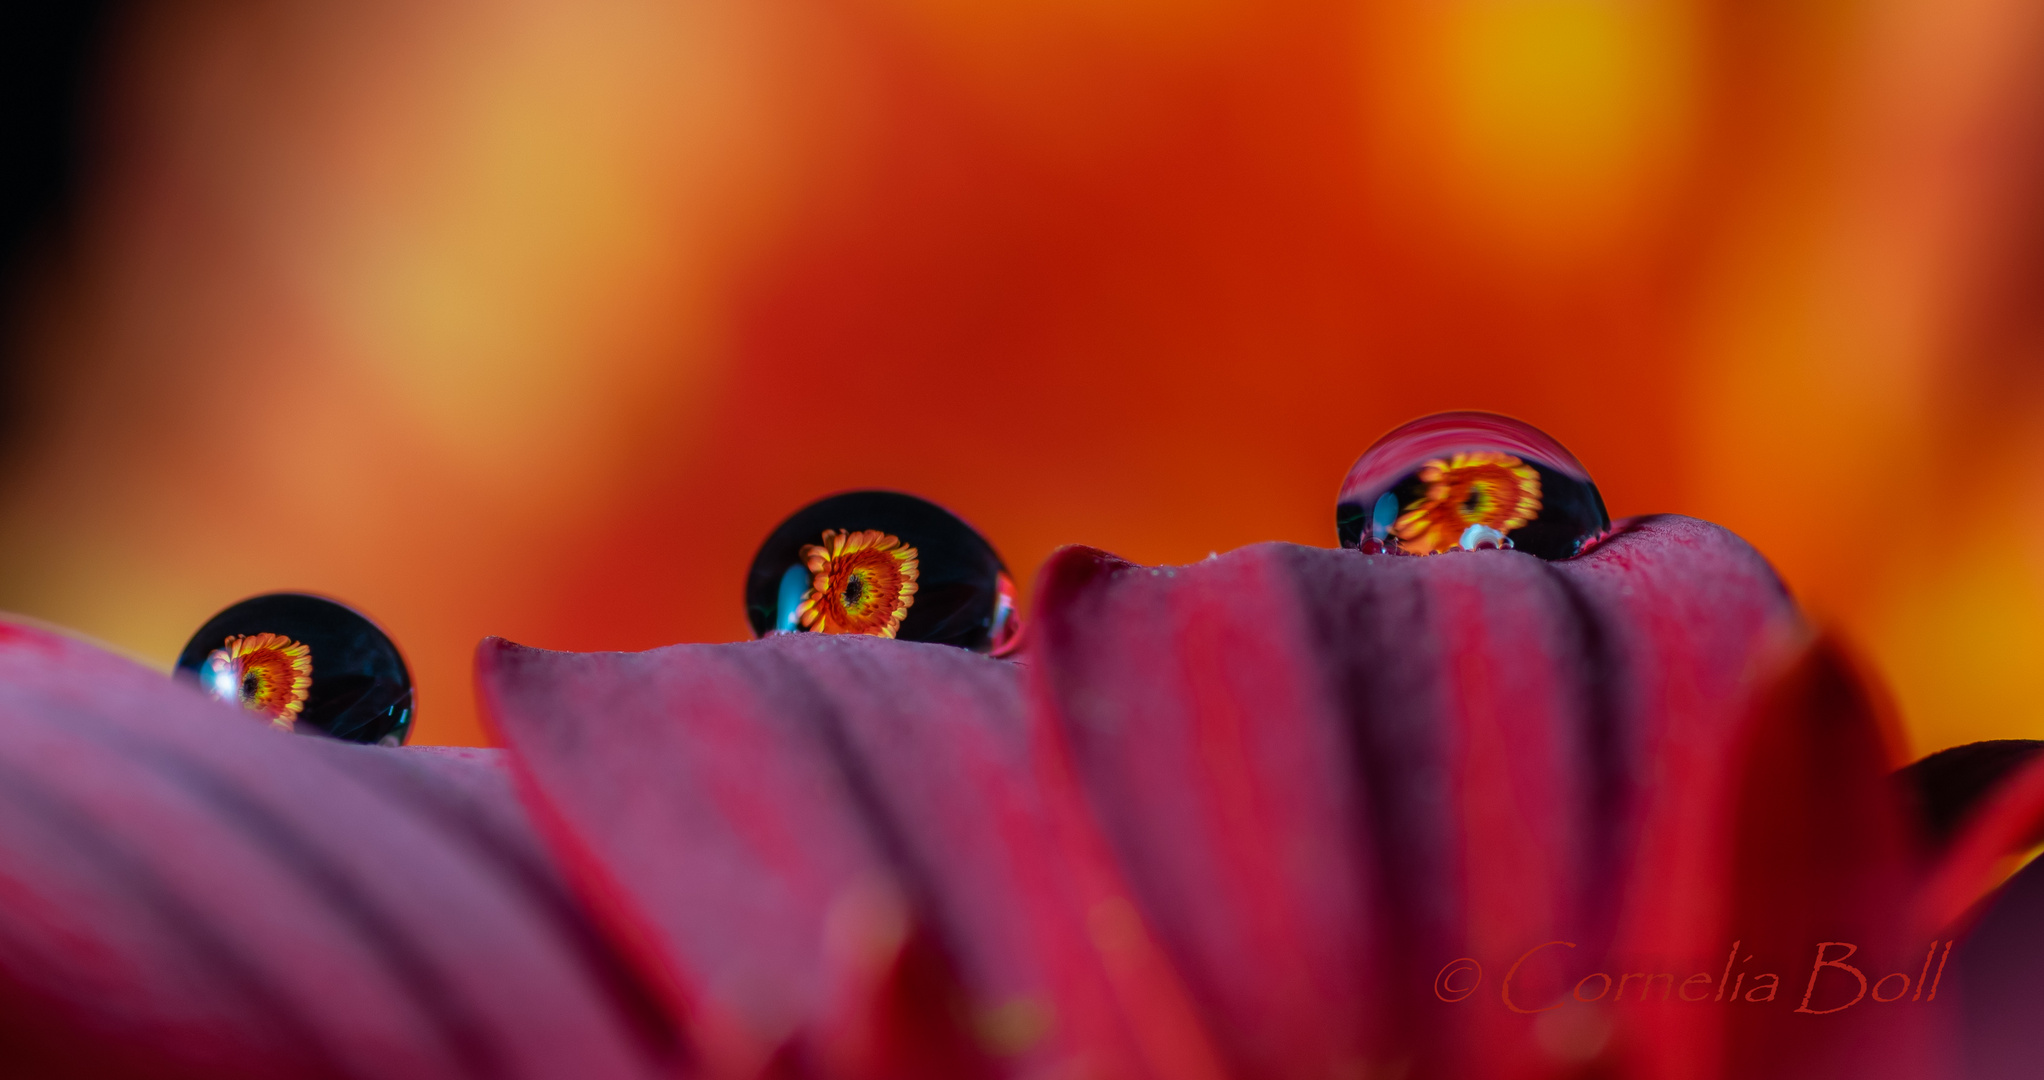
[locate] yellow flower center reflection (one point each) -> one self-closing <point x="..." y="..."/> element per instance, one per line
<point x="267" y="673"/>
<point x="1485" y="488"/>
<point x="860" y="583"/>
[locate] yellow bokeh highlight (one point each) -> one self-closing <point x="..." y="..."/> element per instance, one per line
<point x="1962" y="642"/>
<point x="1545" y="128"/>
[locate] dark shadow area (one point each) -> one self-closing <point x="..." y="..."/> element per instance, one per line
<point x="1950" y="784"/>
<point x="51" y="54"/>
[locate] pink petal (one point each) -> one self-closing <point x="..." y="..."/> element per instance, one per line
<point x="185" y="893"/>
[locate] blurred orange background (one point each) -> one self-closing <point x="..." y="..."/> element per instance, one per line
<point x="533" y="317"/>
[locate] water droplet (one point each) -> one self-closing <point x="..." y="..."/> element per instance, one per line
<point x="883" y="564"/>
<point x="1467" y="481"/>
<point x="305" y="663"/>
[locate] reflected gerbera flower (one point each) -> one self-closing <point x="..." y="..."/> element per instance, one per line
<point x="1493" y="490"/>
<point x="862" y="583"/>
<point x="267" y="673"/>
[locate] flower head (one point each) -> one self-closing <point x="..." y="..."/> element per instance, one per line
<point x="267" y="673"/>
<point x="862" y="583"/>
<point x="1494" y="490"/>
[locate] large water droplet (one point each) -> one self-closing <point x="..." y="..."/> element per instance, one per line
<point x="884" y="564"/>
<point x="305" y="663"/>
<point x="1466" y="481"/>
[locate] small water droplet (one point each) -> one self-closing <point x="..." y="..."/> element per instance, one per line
<point x="890" y="565"/>
<point x="1468" y="481"/>
<point x="305" y="663"/>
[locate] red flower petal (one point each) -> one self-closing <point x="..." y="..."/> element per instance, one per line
<point x="186" y="894"/>
<point x="2011" y="820"/>
<point x="1327" y="775"/>
<point x="1270" y="795"/>
<point x="1823" y="849"/>
<point x="1229" y="819"/>
<point x="836" y="841"/>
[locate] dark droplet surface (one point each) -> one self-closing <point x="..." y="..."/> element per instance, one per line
<point x="1465" y="481"/>
<point x="884" y="564"/>
<point x="305" y="663"/>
